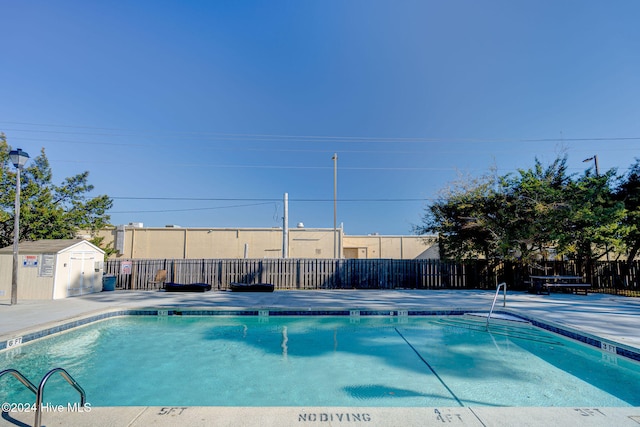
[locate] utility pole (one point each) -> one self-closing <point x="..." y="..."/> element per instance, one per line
<point x="285" y="227"/>
<point x="335" y="205"/>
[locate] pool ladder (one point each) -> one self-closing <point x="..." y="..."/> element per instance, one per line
<point x="495" y="298"/>
<point x="40" y="389"/>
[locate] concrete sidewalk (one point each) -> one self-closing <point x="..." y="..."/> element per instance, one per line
<point x="612" y="318"/>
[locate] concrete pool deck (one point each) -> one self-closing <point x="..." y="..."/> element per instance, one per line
<point x="612" y="318"/>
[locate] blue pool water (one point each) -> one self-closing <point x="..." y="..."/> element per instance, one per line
<point x="321" y="361"/>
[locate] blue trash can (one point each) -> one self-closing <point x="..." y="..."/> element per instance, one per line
<point x="108" y="283"/>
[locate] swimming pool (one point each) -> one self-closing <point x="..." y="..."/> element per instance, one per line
<point x="404" y="361"/>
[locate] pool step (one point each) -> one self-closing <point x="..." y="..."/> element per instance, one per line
<point x="511" y="329"/>
<point x="501" y="316"/>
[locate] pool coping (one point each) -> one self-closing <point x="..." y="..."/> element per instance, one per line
<point x="18" y="338"/>
<point x="133" y="416"/>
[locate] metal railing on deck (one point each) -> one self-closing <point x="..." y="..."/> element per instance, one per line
<point x="495" y="298"/>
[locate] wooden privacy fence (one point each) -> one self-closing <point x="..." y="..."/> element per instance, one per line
<point x="617" y="277"/>
<point x="303" y="273"/>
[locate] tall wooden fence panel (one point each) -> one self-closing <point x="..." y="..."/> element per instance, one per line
<point x="612" y="277"/>
<point x="297" y="273"/>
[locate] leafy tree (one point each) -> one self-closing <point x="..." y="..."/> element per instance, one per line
<point x="594" y="216"/>
<point x="47" y="211"/>
<point x="628" y="193"/>
<point x="458" y="217"/>
<point x="521" y="217"/>
<point x="592" y="226"/>
<point x="509" y="218"/>
<point x="536" y="200"/>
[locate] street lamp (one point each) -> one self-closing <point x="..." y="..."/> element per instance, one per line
<point x="19" y="159"/>
<point x="606" y="246"/>
<point x="595" y="161"/>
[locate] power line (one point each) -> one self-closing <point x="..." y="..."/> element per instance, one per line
<point x="248" y="138"/>
<point x="260" y="200"/>
<point x="246" y="149"/>
<point x="236" y="166"/>
<point x="187" y="209"/>
<point x="218" y="199"/>
<point x="297" y="138"/>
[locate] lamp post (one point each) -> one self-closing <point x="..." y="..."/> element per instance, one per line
<point x="606" y="246"/>
<point x="595" y="162"/>
<point x="19" y="159"/>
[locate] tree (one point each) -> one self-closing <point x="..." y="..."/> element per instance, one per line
<point x="507" y="218"/>
<point x="461" y="218"/>
<point x="628" y="193"/>
<point x="48" y="211"/>
<point x="590" y="227"/>
<point x="522" y="217"/>
<point x="592" y="223"/>
<point x="532" y="199"/>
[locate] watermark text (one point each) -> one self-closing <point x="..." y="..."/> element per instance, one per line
<point x="45" y="407"/>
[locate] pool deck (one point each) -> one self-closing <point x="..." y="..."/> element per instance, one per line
<point x="611" y="318"/>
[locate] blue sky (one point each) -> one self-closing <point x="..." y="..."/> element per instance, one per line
<point x="204" y="113"/>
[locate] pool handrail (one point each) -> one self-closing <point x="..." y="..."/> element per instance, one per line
<point x="70" y="380"/>
<point x="28" y="384"/>
<point x="504" y="302"/>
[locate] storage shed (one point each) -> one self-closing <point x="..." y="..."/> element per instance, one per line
<point x="52" y="269"/>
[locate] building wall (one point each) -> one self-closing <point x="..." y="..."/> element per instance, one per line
<point x="169" y="244"/>
<point x="313" y="243"/>
<point x="232" y="243"/>
<point x="30" y="285"/>
<point x="389" y="247"/>
<point x="199" y="243"/>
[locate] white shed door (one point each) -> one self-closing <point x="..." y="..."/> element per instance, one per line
<point x="81" y="277"/>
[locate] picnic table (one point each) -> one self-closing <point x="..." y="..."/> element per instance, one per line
<point x="546" y="283"/>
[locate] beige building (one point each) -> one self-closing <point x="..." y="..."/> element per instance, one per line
<point x="52" y="269"/>
<point x="390" y="247"/>
<point x="137" y="242"/>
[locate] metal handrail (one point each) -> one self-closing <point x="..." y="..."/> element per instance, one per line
<point x="504" y="302"/>
<point x="70" y="380"/>
<point x="28" y="384"/>
<point x="38" y="391"/>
